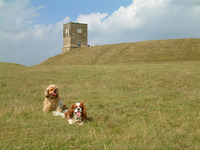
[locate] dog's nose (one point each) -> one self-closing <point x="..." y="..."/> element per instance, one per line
<point x="78" y="108"/>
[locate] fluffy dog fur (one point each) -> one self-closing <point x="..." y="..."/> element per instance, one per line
<point x="76" y="114"/>
<point x="52" y="101"/>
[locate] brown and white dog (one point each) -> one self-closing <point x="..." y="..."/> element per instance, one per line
<point x="75" y="114"/>
<point x="52" y="101"/>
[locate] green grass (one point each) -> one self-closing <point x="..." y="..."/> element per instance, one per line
<point x="130" y="53"/>
<point x="136" y="106"/>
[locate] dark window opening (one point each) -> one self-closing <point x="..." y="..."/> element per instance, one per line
<point x="79" y="43"/>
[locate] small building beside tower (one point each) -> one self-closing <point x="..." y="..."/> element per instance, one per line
<point x="74" y="36"/>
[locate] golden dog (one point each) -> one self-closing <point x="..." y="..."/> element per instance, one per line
<point x="52" y="101"/>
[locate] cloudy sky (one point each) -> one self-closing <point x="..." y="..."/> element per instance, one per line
<point x="31" y="30"/>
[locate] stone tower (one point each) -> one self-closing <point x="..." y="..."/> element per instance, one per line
<point x="74" y="36"/>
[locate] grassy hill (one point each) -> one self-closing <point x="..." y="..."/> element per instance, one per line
<point x="129" y="53"/>
<point x="137" y="106"/>
<point x="9" y="65"/>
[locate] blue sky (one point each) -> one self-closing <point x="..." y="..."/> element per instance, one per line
<point x="31" y="30"/>
<point x="55" y="11"/>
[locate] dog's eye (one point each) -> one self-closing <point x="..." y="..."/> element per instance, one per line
<point x="51" y="89"/>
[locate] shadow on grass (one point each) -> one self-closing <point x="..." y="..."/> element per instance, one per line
<point x="89" y="119"/>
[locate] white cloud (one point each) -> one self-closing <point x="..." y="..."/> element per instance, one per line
<point x="40" y="31"/>
<point x="145" y="20"/>
<point x="40" y="7"/>
<point x="1" y="3"/>
<point x="23" y="42"/>
<point x="94" y="20"/>
<point x="16" y="17"/>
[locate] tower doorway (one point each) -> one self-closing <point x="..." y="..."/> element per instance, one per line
<point x="79" y="43"/>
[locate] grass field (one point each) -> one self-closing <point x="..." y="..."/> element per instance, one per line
<point x="137" y="106"/>
<point x="141" y="95"/>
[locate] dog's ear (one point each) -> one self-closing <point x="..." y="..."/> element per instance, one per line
<point x="84" y="111"/>
<point x="57" y="91"/>
<point x="71" y="111"/>
<point x="46" y="93"/>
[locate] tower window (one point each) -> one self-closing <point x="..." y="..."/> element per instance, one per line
<point x="67" y="31"/>
<point x="79" y="30"/>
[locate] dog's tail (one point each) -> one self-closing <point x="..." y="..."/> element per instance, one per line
<point x="55" y="113"/>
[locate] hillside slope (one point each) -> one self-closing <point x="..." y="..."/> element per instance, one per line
<point x="9" y="65"/>
<point x="128" y="53"/>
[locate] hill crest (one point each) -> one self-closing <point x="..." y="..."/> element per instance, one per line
<point x="129" y="53"/>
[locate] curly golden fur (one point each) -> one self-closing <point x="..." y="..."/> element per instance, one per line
<point x="52" y="101"/>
